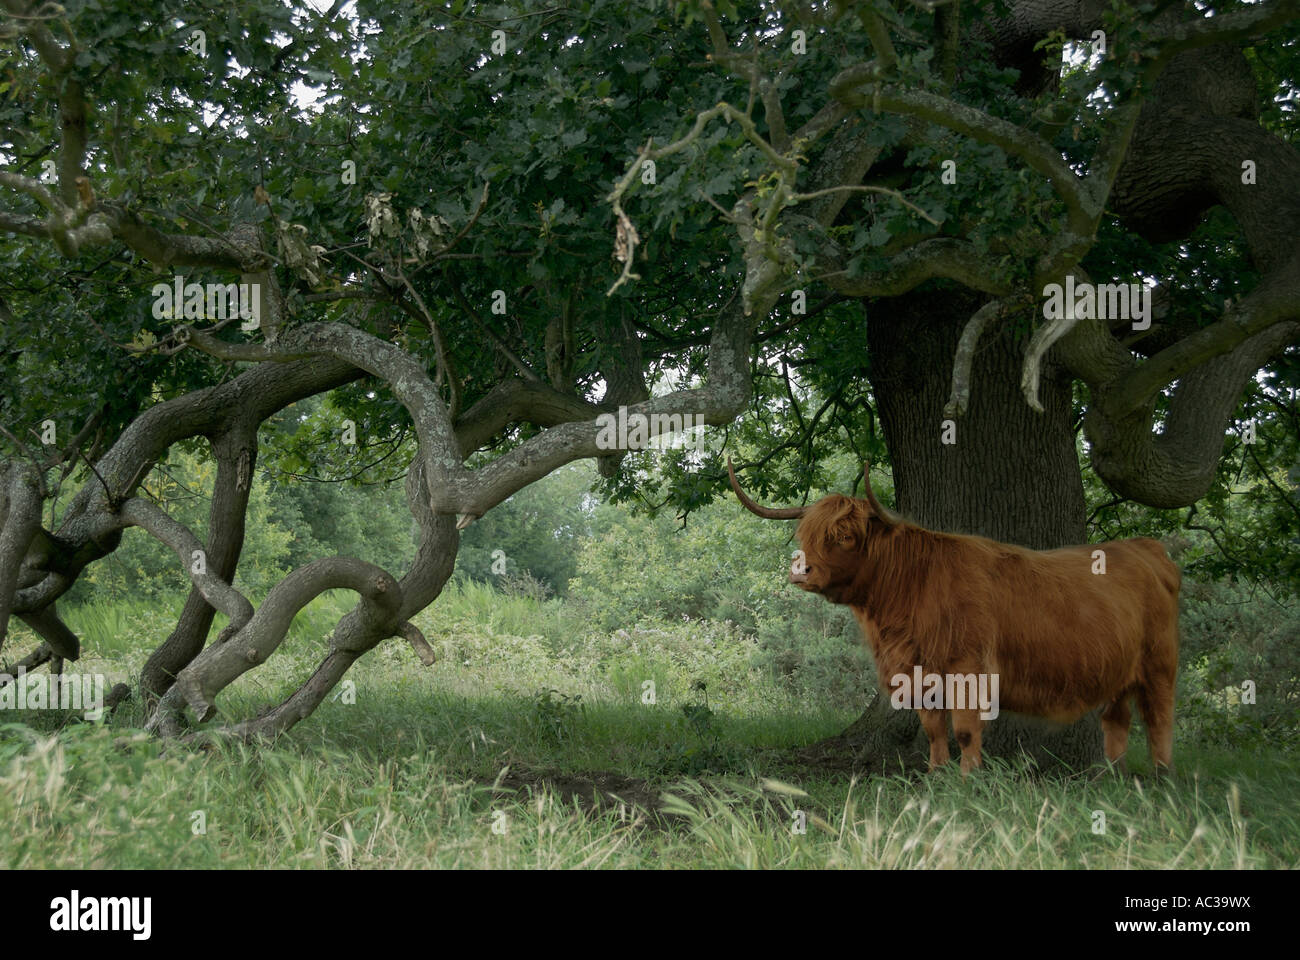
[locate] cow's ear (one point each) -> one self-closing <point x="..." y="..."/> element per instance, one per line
<point x="859" y="516"/>
<point x="848" y="523"/>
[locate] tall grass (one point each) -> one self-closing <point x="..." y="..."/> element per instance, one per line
<point x="401" y="773"/>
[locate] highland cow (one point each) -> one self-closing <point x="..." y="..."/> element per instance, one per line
<point x="1062" y="631"/>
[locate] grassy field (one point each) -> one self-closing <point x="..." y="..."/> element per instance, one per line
<point x="529" y="745"/>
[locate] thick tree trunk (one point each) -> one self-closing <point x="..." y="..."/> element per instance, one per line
<point x="1012" y="475"/>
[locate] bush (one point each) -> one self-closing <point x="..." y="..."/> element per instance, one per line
<point x="1229" y="637"/>
<point x="727" y="567"/>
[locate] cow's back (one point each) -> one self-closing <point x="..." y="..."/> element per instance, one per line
<point x="1078" y="625"/>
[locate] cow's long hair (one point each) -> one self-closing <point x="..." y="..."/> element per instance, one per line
<point x="1065" y="630"/>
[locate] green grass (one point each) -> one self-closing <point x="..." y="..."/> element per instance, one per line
<point x="403" y="777"/>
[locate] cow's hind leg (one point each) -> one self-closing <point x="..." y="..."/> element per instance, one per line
<point x="935" y="724"/>
<point x="967" y="725"/>
<point x="1155" y="701"/>
<point x="1115" y="722"/>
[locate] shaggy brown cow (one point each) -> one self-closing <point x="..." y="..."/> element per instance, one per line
<point x="1059" y="632"/>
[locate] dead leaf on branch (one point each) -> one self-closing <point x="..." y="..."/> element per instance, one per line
<point x="380" y="219"/>
<point x="425" y="230"/>
<point x="297" y="254"/>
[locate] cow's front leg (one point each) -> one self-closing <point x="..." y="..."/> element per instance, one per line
<point x="935" y="724"/>
<point x="968" y="725"/>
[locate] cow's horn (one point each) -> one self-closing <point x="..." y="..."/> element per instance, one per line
<point x="771" y="513"/>
<point x="889" y="518"/>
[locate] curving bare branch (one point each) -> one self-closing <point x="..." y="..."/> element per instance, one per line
<point x="220" y="594"/>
